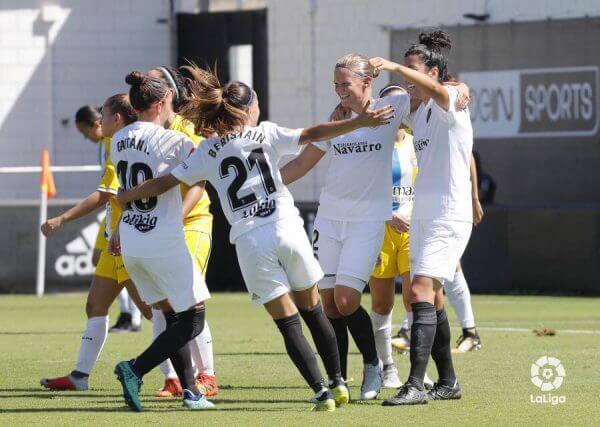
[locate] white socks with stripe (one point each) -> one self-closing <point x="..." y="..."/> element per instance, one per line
<point x="382" y="329"/>
<point x="459" y="296"/>
<point x="92" y="341"/>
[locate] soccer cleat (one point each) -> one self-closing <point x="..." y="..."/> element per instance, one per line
<point x="468" y="341"/>
<point x="196" y="401"/>
<point x="135" y="328"/>
<point x="64" y="383"/>
<point x="172" y="388"/>
<point x="207" y="384"/>
<point x="445" y="392"/>
<point x="323" y="401"/>
<point x="407" y="395"/>
<point x="372" y="381"/>
<point x="341" y="395"/>
<point x="131" y="385"/>
<point x="390" y="377"/>
<point x="123" y="323"/>
<point x="401" y="341"/>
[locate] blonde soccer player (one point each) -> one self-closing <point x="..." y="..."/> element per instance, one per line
<point x="442" y="216"/>
<point x="273" y="251"/>
<point x="110" y="276"/>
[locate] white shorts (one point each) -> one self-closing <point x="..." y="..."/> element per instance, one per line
<point x="436" y="247"/>
<point x="176" y="278"/>
<point x="347" y="251"/>
<point x="276" y="258"/>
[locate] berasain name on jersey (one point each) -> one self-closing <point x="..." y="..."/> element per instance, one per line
<point x="254" y="136"/>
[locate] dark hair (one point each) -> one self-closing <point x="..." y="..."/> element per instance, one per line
<point x="120" y="104"/>
<point x="429" y="49"/>
<point x="145" y="90"/>
<point x="390" y="88"/>
<point x="173" y="79"/>
<point x="213" y="107"/>
<point x="88" y="115"/>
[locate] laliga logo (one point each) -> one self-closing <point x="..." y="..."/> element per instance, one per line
<point x="547" y="373"/>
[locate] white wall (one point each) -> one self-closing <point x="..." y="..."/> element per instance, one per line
<point x="344" y="26"/>
<point x="49" y="69"/>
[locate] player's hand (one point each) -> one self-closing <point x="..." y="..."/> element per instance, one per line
<point x="52" y="225"/>
<point x="146" y="311"/>
<point x="340" y="113"/>
<point x="399" y="223"/>
<point x="477" y="212"/>
<point x="114" y="244"/>
<point x="379" y="64"/>
<point x="374" y="118"/>
<point x="464" y="97"/>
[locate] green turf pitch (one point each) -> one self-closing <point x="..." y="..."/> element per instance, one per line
<point x="260" y="386"/>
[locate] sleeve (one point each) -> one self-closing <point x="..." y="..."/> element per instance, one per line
<point x="284" y="141"/>
<point x="450" y="115"/>
<point x="176" y="147"/>
<point x="193" y="169"/>
<point x="401" y="104"/>
<point x="109" y="182"/>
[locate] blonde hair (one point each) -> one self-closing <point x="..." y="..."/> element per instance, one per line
<point x="356" y="63"/>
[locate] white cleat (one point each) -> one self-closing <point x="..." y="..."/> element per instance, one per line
<point x="390" y="377"/>
<point x="372" y="381"/>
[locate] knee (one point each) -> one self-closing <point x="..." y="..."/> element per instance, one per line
<point x="421" y="291"/>
<point x="331" y="309"/>
<point x="382" y="307"/>
<point x="346" y="304"/>
<point x="94" y="309"/>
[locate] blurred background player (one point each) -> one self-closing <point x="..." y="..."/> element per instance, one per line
<point x="88" y="123"/>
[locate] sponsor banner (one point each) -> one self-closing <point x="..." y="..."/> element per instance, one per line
<point x="544" y="102"/>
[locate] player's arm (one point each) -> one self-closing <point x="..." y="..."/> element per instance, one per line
<point x="152" y="187"/>
<point x="192" y="197"/>
<point x="477" y="209"/>
<point x="298" y="167"/>
<point x="429" y="87"/>
<point x="88" y="205"/>
<point x="329" y="130"/>
<point x="137" y="299"/>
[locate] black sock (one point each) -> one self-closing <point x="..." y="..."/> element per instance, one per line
<point x="78" y="374"/>
<point x="469" y="331"/>
<point x="341" y="336"/>
<point x="324" y="338"/>
<point x="422" y="335"/>
<point x="187" y="326"/>
<point x="361" y="328"/>
<point x="300" y="352"/>
<point x="181" y="359"/>
<point x="440" y="352"/>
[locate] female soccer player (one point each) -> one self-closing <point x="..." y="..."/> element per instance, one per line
<point x="88" y="123"/>
<point x="153" y="241"/>
<point x="198" y="238"/>
<point x="353" y="207"/>
<point x="273" y="251"/>
<point x="110" y="275"/>
<point x="442" y="214"/>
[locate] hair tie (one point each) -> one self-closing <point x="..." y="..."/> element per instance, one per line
<point x="170" y="81"/>
<point x="250" y="98"/>
<point x="389" y="88"/>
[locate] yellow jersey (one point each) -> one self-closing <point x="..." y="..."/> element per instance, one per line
<point x="201" y="212"/>
<point x="110" y="184"/>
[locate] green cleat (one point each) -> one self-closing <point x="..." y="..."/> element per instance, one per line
<point x="131" y="385"/>
<point x="193" y="401"/>
<point x="341" y="395"/>
<point x="324" y="402"/>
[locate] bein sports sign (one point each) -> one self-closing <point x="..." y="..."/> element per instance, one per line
<point x="542" y="102"/>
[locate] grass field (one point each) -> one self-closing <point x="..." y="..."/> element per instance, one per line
<point x="259" y="385"/>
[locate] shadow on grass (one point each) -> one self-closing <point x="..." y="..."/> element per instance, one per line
<point x="262" y="387"/>
<point x="44" y="333"/>
<point x="124" y="410"/>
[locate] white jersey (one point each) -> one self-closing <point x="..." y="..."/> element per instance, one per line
<point x="443" y="143"/>
<point x="243" y="168"/>
<point x="404" y="171"/>
<point x="358" y="181"/>
<point x="152" y="227"/>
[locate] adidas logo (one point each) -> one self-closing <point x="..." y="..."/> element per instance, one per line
<point x="78" y="259"/>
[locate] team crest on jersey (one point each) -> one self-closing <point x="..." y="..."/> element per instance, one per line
<point x="141" y="222"/>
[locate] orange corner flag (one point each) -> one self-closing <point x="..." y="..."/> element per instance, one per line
<point x="46" y="177"/>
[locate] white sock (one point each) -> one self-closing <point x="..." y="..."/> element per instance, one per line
<point x="409" y="319"/>
<point x="159" y="324"/>
<point x="382" y="328"/>
<point x="459" y="296"/>
<point x="136" y="314"/>
<point x="124" y="301"/>
<point x="92" y="341"/>
<point x="202" y="352"/>
<point x="405" y="325"/>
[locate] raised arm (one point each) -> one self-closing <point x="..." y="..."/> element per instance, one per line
<point x="152" y="187"/>
<point x="366" y="118"/>
<point x="427" y="85"/>
<point x="298" y="167"/>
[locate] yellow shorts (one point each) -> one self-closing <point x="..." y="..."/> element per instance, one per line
<point x="393" y="259"/>
<point x="111" y="267"/>
<point x="101" y="240"/>
<point x="199" y="243"/>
